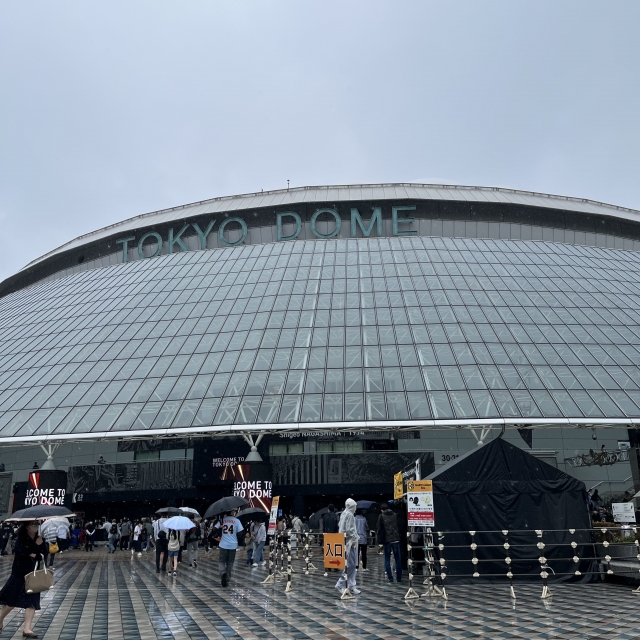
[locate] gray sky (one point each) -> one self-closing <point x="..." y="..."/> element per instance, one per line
<point x="112" y="109"/>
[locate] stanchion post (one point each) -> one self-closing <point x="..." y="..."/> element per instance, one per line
<point x="432" y="588"/>
<point x="507" y="560"/>
<point x="637" y="543"/>
<point x="474" y="558"/>
<point x="270" y="579"/>
<point x="544" y="567"/>
<point x="289" y="586"/>
<point x="411" y="593"/>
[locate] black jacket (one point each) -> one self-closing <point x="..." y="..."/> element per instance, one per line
<point x="387" y="529"/>
<point x="330" y="522"/>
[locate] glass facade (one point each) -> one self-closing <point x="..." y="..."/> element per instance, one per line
<point x="326" y="331"/>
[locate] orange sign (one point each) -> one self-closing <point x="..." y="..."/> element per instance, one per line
<point x="334" y="551"/>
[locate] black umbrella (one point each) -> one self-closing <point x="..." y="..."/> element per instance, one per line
<point x="225" y="504"/>
<point x="252" y="513"/>
<point x="39" y="512"/>
<point x="169" y="511"/>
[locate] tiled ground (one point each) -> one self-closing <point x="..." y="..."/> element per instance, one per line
<point x="102" y="597"/>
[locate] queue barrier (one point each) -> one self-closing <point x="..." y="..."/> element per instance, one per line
<point x="534" y="547"/>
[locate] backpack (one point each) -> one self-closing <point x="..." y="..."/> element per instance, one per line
<point x="174" y="544"/>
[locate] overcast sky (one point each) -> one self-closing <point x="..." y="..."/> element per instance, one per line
<point x="113" y="109"/>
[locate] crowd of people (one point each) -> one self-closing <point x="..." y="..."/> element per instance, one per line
<point x="34" y="542"/>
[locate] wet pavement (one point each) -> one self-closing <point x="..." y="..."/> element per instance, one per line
<point x="112" y="597"/>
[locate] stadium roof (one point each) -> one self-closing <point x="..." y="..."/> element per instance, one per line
<point x="345" y="193"/>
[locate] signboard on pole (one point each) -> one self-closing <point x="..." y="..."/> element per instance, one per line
<point x="273" y="515"/>
<point x="420" y="503"/>
<point x="334" y="550"/>
<point x="398" y="486"/>
<point x="623" y="512"/>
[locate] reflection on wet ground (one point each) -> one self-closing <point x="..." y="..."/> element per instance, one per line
<point x="113" y="597"/>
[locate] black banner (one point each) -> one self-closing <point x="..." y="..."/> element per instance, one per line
<point x="43" y="487"/>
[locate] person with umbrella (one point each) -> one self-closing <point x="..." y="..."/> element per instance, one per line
<point x="30" y="548"/>
<point x="363" y="530"/>
<point x="176" y="527"/>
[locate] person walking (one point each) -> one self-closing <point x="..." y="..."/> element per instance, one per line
<point x="149" y="539"/>
<point x="30" y="548"/>
<point x="62" y="534"/>
<point x="51" y="546"/>
<point x="193" y="540"/>
<point x="229" y="531"/>
<point x="89" y="533"/>
<point x="259" y="534"/>
<point x="113" y="538"/>
<point x="125" y="532"/>
<point x="330" y="524"/>
<point x="162" y="550"/>
<point x="363" y="529"/>
<point x="173" y="547"/>
<point x="137" y="532"/>
<point x="388" y="535"/>
<point x="347" y="525"/>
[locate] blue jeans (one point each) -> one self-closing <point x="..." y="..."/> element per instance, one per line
<point x="388" y="547"/>
<point x="257" y="551"/>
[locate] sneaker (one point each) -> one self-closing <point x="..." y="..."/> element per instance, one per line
<point x="354" y="591"/>
<point x="195" y="564"/>
<point x="157" y="570"/>
<point x="139" y="553"/>
<point x="390" y="580"/>
<point x="175" y="573"/>
<point x="365" y="569"/>
<point x="224" y="580"/>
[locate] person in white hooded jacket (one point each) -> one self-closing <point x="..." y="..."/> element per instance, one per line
<point x="347" y="525"/>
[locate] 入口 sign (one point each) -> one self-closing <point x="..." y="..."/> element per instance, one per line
<point x="334" y="551"/>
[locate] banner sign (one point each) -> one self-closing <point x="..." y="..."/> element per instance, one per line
<point x="252" y="481"/>
<point x="334" y="551"/>
<point x="623" y="512"/>
<point x="398" y="486"/>
<point x="273" y="515"/>
<point x="420" y="503"/>
<point x="44" y="487"/>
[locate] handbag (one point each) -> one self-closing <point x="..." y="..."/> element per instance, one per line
<point x="53" y="547"/>
<point x="39" y="580"/>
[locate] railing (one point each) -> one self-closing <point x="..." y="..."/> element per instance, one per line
<point x="600" y="458"/>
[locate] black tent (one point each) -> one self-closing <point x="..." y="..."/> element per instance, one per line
<point x="499" y="487"/>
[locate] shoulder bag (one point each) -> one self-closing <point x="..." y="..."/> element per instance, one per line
<point x="39" y="580"/>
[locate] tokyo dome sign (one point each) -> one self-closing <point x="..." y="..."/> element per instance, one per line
<point x="400" y="226"/>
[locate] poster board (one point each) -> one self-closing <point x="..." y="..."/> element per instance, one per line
<point x="623" y="512"/>
<point x="273" y="515"/>
<point x="420" y="511"/>
<point x="398" y="486"/>
<point x="334" y="551"/>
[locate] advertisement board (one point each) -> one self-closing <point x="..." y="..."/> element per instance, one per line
<point x="420" y="503"/>
<point x="273" y="515"/>
<point x="43" y="487"/>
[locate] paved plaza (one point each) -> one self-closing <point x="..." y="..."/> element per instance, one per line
<point x="107" y="597"/>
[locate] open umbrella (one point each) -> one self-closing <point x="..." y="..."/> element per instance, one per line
<point x="364" y="504"/>
<point x="169" y="511"/>
<point x="225" y="504"/>
<point x="39" y="512"/>
<point x="178" y="523"/>
<point x="252" y="513"/>
<point x="53" y="523"/>
<point x="190" y="513"/>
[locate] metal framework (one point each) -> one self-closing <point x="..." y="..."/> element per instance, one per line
<point x="480" y="429"/>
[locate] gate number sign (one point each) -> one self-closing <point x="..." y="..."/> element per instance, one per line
<point x="334" y="550"/>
